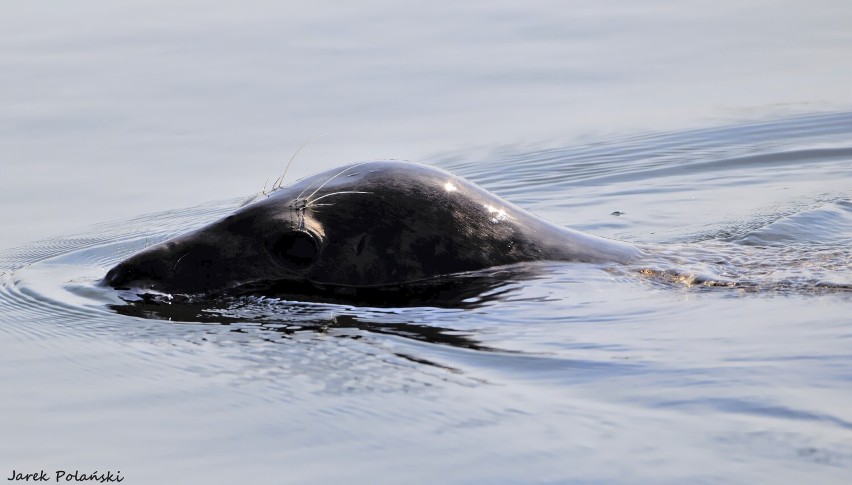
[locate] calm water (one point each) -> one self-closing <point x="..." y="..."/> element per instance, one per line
<point x="721" y="133"/>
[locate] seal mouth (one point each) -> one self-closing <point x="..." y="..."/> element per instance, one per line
<point x="297" y="250"/>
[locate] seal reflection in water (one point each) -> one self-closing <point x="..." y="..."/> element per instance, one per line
<point x="354" y="229"/>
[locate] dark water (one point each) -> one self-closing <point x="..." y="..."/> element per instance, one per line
<point x="723" y="356"/>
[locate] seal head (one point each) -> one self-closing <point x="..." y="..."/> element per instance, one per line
<point x="374" y="224"/>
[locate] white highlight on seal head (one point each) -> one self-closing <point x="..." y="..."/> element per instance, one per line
<point x="497" y="215"/>
<point x="449" y="187"/>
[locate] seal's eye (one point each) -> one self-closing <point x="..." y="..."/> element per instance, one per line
<point x="296" y="249"/>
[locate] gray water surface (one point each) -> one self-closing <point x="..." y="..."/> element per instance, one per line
<point x="716" y="136"/>
<point x="111" y="110"/>
<point x="723" y="355"/>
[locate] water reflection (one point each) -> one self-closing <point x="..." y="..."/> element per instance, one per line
<point x="321" y="309"/>
<point x="285" y="319"/>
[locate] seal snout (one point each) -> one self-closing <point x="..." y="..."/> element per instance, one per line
<point x="149" y="268"/>
<point x="132" y="273"/>
<point x="183" y="266"/>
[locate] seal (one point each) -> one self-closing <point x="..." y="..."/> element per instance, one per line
<point x="382" y="224"/>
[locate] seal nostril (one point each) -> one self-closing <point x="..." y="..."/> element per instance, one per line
<point x="297" y="250"/>
<point x="361" y="244"/>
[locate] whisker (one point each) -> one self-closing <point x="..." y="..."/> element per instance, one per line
<point x="249" y="200"/>
<point x="280" y="180"/>
<point x="174" y="268"/>
<point x="299" y="197"/>
<point x="311" y="203"/>
<point x="253" y="197"/>
<point x="331" y="178"/>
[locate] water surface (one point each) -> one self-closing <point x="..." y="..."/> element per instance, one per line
<point x="723" y="355"/>
<point x="717" y="137"/>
